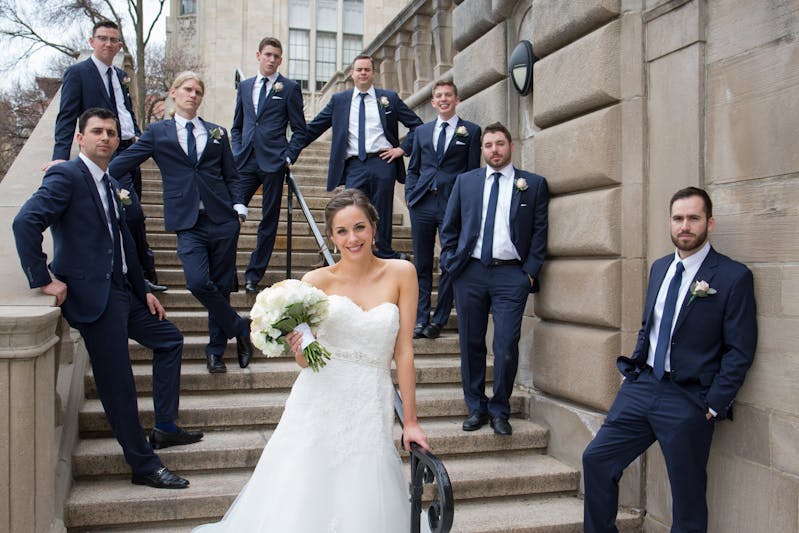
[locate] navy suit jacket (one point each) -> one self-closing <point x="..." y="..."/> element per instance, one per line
<point x="213" y="179"/>
<point x="336" y="114"/>
<point x="266" y="132"/>
<point x="81" y="89"/>
<point x="68" y="203"/>
<point x="714" y="339"/>
<point x="528" y="222"/>
<point x="462" y="155"/>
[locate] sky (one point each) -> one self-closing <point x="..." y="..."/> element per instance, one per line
<point x="25" y="71"/>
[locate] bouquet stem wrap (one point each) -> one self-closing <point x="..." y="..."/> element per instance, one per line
<point x="290" y="305"/>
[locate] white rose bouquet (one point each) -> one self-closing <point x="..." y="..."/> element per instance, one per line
<point x="290" y="305"/>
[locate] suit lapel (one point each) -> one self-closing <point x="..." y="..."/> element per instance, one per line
<point x="208" y="141"/>
<point x="101" y="88"/>
<point x="453" y="142"/>
<point x="381" y="111"/>
<point x="705" y="273"/>
<point x="172" y="135"/>
<point x="91" y="184"/>
<point x="659" y="270"/>
<point x="246" y="92"/>
<point x="515" y="200"/>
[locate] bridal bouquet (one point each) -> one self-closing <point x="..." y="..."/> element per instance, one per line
<point x="290" y="305"/>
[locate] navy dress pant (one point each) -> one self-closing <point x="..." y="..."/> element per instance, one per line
<point x="376" y="179"/>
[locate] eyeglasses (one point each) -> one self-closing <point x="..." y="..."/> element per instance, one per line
<point x="106" y="39"/>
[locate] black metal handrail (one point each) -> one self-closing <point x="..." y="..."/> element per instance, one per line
<point x="427" y="468"/>
<point x="294" y="191"/>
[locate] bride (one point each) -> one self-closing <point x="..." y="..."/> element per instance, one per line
<point x="331" y="464"/>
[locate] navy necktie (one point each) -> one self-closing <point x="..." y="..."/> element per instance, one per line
<point x="116" y="271"/>
<point x="442" y="142"/>
<point x="486" y="253"/>
<point x="262" y="96"/>
<point x="191" y="143"/>
<point x="362" y="128"/>
<point x="109" y="75"/>
<point x="664" y="333"/>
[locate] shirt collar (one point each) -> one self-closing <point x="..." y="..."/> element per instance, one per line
<point x="453" y="122"/>
<point x="100" y="65"/>
<point x="694" y="260"/>
<point x="182" y="120"/>
<point x="506" y="171"/>
<point x="370" y="92"/>
<point x="271" y="78"/>
<point x="96" y="172"/>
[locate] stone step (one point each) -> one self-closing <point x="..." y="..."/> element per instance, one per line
<point x="257" y="409"/>
<point x="267" y="374"/>
<point x="170" y="270"/>
<point x="210" y="494"/>
<point x="194" y="349"/>
<point x="152" y="190"/>
<point x="225" y="450"/>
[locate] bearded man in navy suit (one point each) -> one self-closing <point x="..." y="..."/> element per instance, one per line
<point x="97" y="83"/>
<point x="265" y="105"/>
<point x="697" y="340"/>
<point x="366" y="152"/>
<point x="203" y="205"/>
<point x="493" y="243"/>
<point x="100" y="288"/>
<point x="442" y="149"/>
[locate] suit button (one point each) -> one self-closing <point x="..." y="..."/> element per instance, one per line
<point x="109" y="251"/>
<point x="108" y="276"/>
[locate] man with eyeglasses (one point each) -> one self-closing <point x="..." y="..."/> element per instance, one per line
<point x="95" y="82"/>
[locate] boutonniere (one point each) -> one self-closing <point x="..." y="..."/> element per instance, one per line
<point x="701" y="289"/>
<point x="124" y="197"/>
<point x="277" y="87"/>
<point x="215" y="133"/>
<point x="384" y="102"/>
<point x="126" y="82"/>
<point x="461" y="131"/>
<point x="521" y="184"/>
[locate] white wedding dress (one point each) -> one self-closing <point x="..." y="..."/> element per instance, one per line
<point x="331" y="464"/>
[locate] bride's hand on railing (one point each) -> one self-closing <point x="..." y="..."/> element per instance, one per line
<point x="413" y="433"/>
<point x="295" y="344"/>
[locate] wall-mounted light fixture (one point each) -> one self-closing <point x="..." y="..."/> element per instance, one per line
<point x="520" y="67"/>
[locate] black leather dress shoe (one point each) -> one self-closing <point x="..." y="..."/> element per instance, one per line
<point x="250" y="287"/>
<point x="501" y="426"/>
<point x="163" y="439"/>
<point x="154" y="287"/>
<point x="432" y="331"/>
<point x="475" y="421"/>
<point x="160" y="479"/>
<point x="244" y="347"/>
<point x="215" y="364"/>
<point x="418" y="331"/>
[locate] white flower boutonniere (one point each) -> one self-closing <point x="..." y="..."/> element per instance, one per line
<point x="124" y="197"/>
<point x="277" y="87"/>
<point x="126" y="82"/>
<point x="215" y="134"/>
<point x="461" y="131"/>
<point x="384" y="102"/>
<point x="521" y="184"/>
<point x="701" y="289"/>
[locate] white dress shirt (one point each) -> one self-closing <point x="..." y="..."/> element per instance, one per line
<point x="503" y="247"/>
<point x="691" y="264"/>
<point x="452" y="126"/>
<point x="375" y="138"/>
<point x="97" y="174"/>
<point x="256" y="88"/>
<point x="125" y="119"/>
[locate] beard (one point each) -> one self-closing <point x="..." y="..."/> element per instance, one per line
<point x="692" y="245"/>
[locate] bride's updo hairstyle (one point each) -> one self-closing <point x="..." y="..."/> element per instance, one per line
<point x="344" y="199"/>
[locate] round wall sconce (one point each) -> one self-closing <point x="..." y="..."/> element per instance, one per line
<point x="520" y="67"/>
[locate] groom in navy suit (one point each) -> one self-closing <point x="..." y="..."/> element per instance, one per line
<point x="493" y="243"/>
<point x="442" y="149"/>
<point x="202" y="204"/>
<point x="265" y="105"/>
<point x="696" y="342"/>
<point x="97" y="83"/>
<point x="100" y="288"/>
<point x="366" y="152"/>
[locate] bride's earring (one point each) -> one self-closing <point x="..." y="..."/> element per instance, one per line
<point x="335" y="249"/>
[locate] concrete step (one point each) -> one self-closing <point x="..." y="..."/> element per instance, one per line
<point x="259" y="409"/>
<point x="504" y="475"/>
<point x="170" y="270"/>
<point x="225" y="450"/>
<point x="268" y="374"/>
<point x="194" y="349"/>
<point x="152" y="190"/>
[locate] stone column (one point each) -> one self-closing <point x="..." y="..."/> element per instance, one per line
<point x="442" y="36"/>
<point x="422" y="43"/>
<point x="27" y="418"/>
<point x="405" y="68"/>
<point x="384" y="63"/>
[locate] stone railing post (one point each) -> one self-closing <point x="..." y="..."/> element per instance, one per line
<point x="442" y="36"/>
<point x="404" y="61"/>
<point x="422" y="43"/>
<point x="385" y="65"/>
<point x="27" y="418"/>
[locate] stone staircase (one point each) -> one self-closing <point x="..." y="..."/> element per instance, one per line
<point x="504" y="484"/>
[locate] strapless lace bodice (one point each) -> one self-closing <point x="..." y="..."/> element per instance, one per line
<point x="353" y="334"/>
